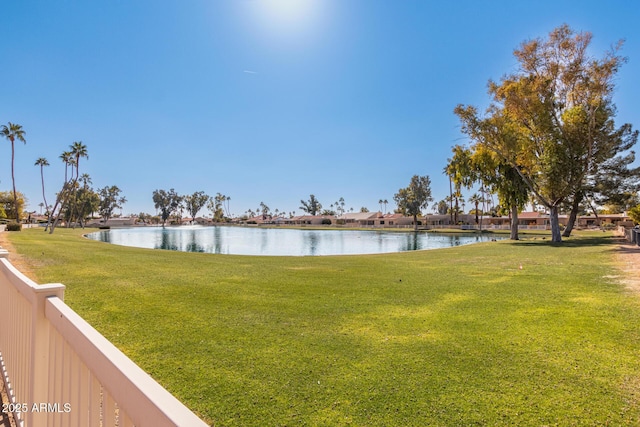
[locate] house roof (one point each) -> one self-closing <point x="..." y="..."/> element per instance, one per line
<point x="393" y="216"/>
<point x="530" y="215"/>
<point x="359" y="216"/>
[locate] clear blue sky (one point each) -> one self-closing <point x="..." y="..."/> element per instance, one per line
<point x="268" y="100"/>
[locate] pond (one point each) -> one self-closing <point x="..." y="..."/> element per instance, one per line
<point x="279" y="241"/>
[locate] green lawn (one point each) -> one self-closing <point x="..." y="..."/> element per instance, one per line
<point x="448" y="337"/>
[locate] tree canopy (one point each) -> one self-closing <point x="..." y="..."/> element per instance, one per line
<point x="110" y="200"/>
<point x="8" y="204"/>
<point x="634" y="214"/>
<point x="552" y="121"/>
<point x="311" y="206"/>
<point x="167" y="202"/>
<point x="414" y="198"/>
<point x="195" y="202"/>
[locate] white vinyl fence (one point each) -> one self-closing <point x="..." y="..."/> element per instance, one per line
<point x="59" y="371"/>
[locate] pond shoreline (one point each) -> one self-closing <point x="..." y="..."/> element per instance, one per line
<point x="283" y="241"/>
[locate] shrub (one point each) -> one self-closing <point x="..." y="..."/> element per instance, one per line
<point x="326" y="221"/>
<point x="14" y="226"/>
<point x="634" y="214"/>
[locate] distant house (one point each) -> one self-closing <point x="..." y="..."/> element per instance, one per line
<point x="531" y="219"/>
<point x="113" y="222"/>
<point x="358" y="219"/>
<point x="376" y="220"/>
<point x="203" y="221"/>
<point x="437" y="220"/>
<point x="613" y="219"/>
<point x="395" y="220"/>
<point x="279" y="220"/>
<point x="541" y="220"/>
<point x="258" y="219"/>
<point x="309" y="220"/>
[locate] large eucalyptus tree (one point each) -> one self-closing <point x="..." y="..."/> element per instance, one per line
<point x="312" y="206"/>
<point x="195" y="202"/>
<point x="552" y="121"/>
<point x="167" y="202"/>
<point x="414" y="198"/>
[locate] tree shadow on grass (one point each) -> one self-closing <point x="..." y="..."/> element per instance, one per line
<point x="625" y="246"/>
<point x="573" y="242"/>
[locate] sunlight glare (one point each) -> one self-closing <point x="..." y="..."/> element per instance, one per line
<point x="288" y="18"/>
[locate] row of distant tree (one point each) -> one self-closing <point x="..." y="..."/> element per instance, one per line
<point x="170" y="204"/>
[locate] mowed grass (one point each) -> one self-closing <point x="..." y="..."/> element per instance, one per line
<point x="450" y="337"/>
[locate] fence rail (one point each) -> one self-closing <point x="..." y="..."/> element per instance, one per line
<point x="60" y="371"/>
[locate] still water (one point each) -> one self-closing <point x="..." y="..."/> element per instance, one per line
<point x="277" y="241"/>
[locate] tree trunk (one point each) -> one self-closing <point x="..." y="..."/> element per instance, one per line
<point x="44" y="197"/>
<point x="556" y="237"/>
<point x="63" y="200"/>
<point x="477" y="222"/>
<point x="455" y="212"/>
<point x="514" y="222"/>
<point x="54" y="224"/>
<point x="450" y="201"/>
<point x="415" y="222"/>
<point x="52" y="213"/>
<point x="13" y="180"/>
<point x="573" y="215"/>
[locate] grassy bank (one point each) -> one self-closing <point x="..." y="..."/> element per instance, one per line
<point x="459" y="336"/>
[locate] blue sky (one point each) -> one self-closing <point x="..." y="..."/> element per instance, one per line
<point x="268" y="100"/>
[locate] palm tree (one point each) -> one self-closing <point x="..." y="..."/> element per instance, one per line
<point x="381" y="202"/>
<point x="476" y="199"/>
<point x="456" y="210"/>
<point x="86" y="180"/>
<point x="67" y="159"/>
<point x="42" y="162"/>
<point x="385" y="202"/>
<point x="78" y="149"/>
<point x="13" y="132"/>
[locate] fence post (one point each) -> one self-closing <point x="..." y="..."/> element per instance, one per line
<point x="40" y="352"/>
<point x="38" y="360"/>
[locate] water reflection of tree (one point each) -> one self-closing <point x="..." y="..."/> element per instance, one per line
<point x="192" y="243"/>
<point x="217" y="240"/>
<point x="412" y="242"/>
<point x="104" y="236"/>
<point x="264" y="241"/>
<point x="167" y="240"/>
<point x="311" y="242"/>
